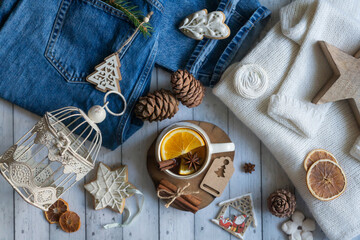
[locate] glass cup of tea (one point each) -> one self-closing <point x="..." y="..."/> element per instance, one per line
<point x="183" y="138"/>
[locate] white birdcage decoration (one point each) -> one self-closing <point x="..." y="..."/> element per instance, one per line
<point x="55" y="154"/>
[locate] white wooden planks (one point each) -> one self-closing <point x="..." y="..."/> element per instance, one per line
<point x="6" y="191"/>
<point x="211" y="110"/>
<point x="22" y="221"/>
<point x="134" y="156"/>
<point x="174" y="224"/>
<point x="273" y="178"/>
<point x="247" y="150"/>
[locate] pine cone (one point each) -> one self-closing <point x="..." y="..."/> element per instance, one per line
<point x="187" y="89"/>
<point x="157" y="106"/>
<point x="281" y="203"/>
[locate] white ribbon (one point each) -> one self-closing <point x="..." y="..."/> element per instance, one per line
<point x="129" y="220"/>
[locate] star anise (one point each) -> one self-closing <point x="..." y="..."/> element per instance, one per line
<point x="249" y="167"/>
<point x="192" y="160"/>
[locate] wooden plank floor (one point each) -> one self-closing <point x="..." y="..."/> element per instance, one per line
<point x="21" y="221"/>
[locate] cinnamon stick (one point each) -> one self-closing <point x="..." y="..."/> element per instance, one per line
<point x="167" y="168"/>
<point x="180" y="200"/>
<point x="193" y="210"/>
<point x="167" y="164"/>
<point x="183" y="204"/>
<point x="190" y="198"/>
<point x="180" y="206"/>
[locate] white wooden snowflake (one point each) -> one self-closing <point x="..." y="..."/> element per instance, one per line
<point x="111" y="188"/>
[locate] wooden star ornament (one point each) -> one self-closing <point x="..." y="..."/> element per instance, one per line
<point x="345" y="83"/>
<point x="110" y="188"/>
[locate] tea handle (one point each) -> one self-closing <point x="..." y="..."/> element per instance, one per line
<point x="222" y="147"/>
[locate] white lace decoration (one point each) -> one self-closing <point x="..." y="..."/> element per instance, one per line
<point x="58" y="150"/>
<point x="21" y="175"/>
<point x="250" y="81"/>
<point x="51" y="157"/>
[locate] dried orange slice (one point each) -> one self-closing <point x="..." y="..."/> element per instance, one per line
<point x="70" y="222"/>
<point x="316" y="155"/>
<point x="55" y="211"/>
<point x="180" y="141"/>
<point x="326" y="180"/>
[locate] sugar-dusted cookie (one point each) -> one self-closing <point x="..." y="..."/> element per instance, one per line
<point x="110" y="188"/>
<point x="203" y="24"/>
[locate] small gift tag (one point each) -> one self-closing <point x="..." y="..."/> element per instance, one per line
<point x="218" y="176"/>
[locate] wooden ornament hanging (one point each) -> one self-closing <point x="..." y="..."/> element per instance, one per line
<point x="107" y="74"/>
<point x="345" y="83"/>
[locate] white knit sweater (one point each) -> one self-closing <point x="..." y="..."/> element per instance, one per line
<point x="284" y="117"/>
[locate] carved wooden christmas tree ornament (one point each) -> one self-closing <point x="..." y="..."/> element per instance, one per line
<point x="238" y="224"/>
<point x="345" y="83"/>
<point x="107" y="74"/>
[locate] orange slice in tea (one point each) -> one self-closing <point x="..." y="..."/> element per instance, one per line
<point x="184" y="169"/>
<point x="326" y="180"/>
<point x="53" y="214"/>
<point x="316" y="155"/>
<point x="180" y="141"/>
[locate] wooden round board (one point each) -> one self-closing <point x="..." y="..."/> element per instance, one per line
<point x="216" y="135"/>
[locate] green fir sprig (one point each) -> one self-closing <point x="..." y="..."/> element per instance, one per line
<point x="134" y="15"/>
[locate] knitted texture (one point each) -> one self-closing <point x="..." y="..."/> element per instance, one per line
<point x="297" y="69"/>
<point x="305" y="25"/>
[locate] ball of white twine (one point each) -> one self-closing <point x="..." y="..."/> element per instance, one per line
<point x="250" y="81"/>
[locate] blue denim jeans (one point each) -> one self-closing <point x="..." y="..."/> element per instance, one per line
<point x="47" y="50"/>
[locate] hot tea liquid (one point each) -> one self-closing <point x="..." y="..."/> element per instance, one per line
<point x="177" y="144"/>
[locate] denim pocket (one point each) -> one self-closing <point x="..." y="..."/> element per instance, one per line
<point x="83" y="34"/>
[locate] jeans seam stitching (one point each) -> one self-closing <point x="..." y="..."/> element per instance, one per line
<point x="107" y="8"/>
<point x="157" y="4"/>
<point x="120" y="129"/>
